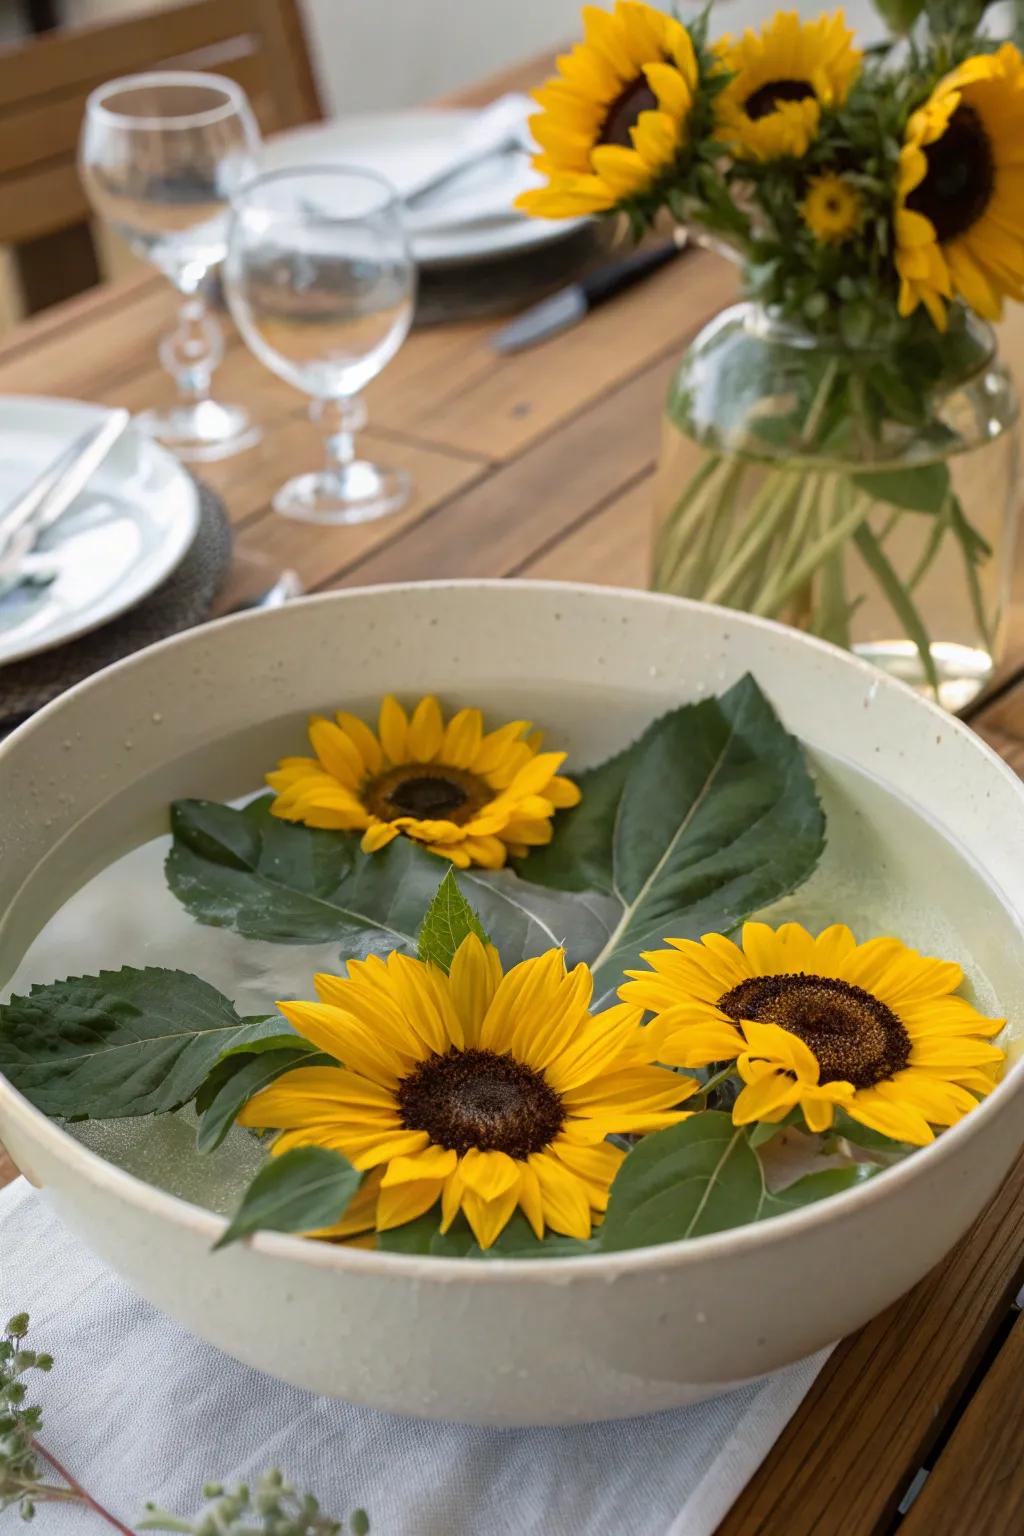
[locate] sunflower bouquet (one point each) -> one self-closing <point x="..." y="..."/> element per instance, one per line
<point x="841" y="448"/>
<point x="556" y="1020"/>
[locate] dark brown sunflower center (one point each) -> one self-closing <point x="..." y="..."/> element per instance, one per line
<point x="960" y="178"/>
<point x="855" y="1037"/>
<point x="480" y="1099"/>
<point x="767" y="97"/>
<point x="430" y="791"/>
<point x="624" y="111"/>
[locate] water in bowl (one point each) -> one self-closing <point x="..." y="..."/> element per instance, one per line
<point x="886" y="870"/>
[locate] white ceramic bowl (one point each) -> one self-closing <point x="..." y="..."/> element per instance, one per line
<point x="508" y="1342"/>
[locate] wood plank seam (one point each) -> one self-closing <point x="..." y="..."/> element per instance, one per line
<point x="620" y="490"/>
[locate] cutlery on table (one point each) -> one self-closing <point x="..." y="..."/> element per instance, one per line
<point x="52" y="493"/>
<point x="501" y="126"/>
<point x="569" y="305"/>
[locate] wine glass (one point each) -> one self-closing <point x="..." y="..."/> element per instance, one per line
<point x="160" y="156"/>
<point x="321" y="283"/>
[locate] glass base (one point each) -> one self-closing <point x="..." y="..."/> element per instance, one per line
<point x="358" y="493"/>
<point x="201" y="433"/>
<point x="962" y="670"/>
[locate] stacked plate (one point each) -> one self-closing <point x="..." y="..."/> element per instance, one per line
<point x="476" y="254"/>
<point x="125" y="534"/>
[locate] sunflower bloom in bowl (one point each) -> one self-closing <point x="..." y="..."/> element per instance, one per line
<point x="478" y="1091"/>
<point x="820" y="1024"/>
<point x="469" y="795"/>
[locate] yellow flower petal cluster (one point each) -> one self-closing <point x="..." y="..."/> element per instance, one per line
<point x="959" y="214"/>
<point x="614" y="119"/>
<point x="782" y="77"/>
<point x="480" y="1090"/>
<point x="831" y="209"/>
<point x="822" y="1022"/>
<point x="466" y="794"/>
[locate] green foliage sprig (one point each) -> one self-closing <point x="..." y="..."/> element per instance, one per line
<point x="273" y="1508"/>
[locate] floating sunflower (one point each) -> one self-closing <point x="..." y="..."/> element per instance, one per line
<point x="782" y="77"/>
<point x="960" y="194"/>
<point x="614" y="120"/>
<point x="831" y="209"/>
<point x="875" y="1028"/>
<point x="480" y="1090"/>
<point x="471" y="796"/>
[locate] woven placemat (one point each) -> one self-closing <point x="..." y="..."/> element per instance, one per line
<point x="184" y="599"/>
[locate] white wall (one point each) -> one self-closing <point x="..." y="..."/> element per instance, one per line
<point x="376" y="54"/>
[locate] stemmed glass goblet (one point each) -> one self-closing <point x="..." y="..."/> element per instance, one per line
<point x="321" y="283"/>
<point x="160" y="155"/>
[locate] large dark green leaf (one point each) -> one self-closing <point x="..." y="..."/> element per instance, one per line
<point x="449" y="920"/>
<point x="128" y="1042"/>
<point x="276" y="880"/>
<point x="711" y="815"/>
<point x="300" y="1191"/>
<point x="696" y="1177"/>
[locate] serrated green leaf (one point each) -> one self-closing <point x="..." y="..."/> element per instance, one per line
<point x="128" y="1042"/>
<point x="814" y="1186"/>
<point x="234" y="1082"/>
<point x="710" y="816"/>
<point x="449" y="919"/>
<point x="696" y="1177"/>
<point x="300" y="885"/>
<point x="300" y="1191"/>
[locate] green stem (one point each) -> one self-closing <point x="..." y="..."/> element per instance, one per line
<point x="818" y="404"/>
<point x="931" y="549"/>
<point x="770" y="505"/>
<point x="966" y="538"/>
<point x="779" y="594"/>
<point x="899" y="600"/>
<point x="705" y="520"/>
<point x="671" y="543"/>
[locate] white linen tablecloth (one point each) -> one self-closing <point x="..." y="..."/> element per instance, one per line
<point x="138" y="1409"/>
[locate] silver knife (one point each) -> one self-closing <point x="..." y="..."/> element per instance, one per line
<point x="571" y="304"/>
<point x="50" y="495"/>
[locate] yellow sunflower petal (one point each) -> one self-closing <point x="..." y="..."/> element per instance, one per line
<point x="393" y="727"/>
<point x="363" y="739"/>
<point x="566" y="1208"/>
<point x="426" y="730"/>
<point x="401" y="1203"/>
<point x="488" y="1218"/>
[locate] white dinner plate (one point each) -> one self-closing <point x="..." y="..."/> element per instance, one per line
<point x="408" y="146"/>
<point x="124" y="534"/>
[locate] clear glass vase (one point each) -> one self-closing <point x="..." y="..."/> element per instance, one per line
<point x="867" y="494"/>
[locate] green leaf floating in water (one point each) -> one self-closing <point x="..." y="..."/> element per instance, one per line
<point x="128" y="1042"/>
<point x="300" y="1191"/>
<point x="703" y="1176"/>
<point x="813" y="1187"/>
<point x="236" y="1079"/>
<point x="709" y="816"/>
<point x="277" y="880"/>
<point x="449" y="920"/>
<point x="696" y="1177"/>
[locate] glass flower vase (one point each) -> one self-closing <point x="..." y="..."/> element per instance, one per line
<point x="868" y="494"/>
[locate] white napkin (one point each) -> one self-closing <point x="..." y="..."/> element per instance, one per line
<point x="138" y="1409"/>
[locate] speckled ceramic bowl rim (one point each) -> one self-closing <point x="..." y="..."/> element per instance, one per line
<point x="694" y="1250"/>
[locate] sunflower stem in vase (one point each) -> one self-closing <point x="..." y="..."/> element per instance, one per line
<point x="840" y="451"/>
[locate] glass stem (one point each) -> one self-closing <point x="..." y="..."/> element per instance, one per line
<point x="339" y="419"/>
<point x="192" y="351"/>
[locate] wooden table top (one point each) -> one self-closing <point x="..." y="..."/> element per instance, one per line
<point x="541" y="465"/>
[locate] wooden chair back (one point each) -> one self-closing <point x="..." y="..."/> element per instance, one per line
<point x="44" y="82"/>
